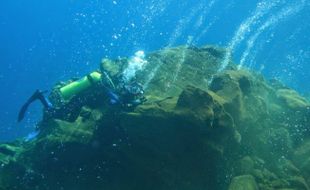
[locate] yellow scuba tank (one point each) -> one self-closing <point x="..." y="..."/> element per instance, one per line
<point x="76" y="87"/>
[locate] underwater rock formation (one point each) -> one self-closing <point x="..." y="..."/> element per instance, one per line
<point x="198" y="129"/>
<point x="246" y="182"/>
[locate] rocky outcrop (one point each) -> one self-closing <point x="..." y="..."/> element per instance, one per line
<point x="169" y="71"/>
<point x="198" y="129"/>
<point x="246" y="182"/>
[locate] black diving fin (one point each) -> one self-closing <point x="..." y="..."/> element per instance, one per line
<point x="37" y="95"/>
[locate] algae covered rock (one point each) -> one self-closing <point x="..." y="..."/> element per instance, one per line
<point x="246" y="182"/>
<point x="245" y="166"/>
<point x="198" y="129"/>
<point x="181" y="132"/>
<point x="158" y="140"/>
<point x="195" y="109"/>
<point x="302" y="159"/>
<point x="169" y="71"/>
<point x="292" y="99"/>
<point x="244" y="93"/>
<point x="8" y="152"/>
<point x="206" y="108"/>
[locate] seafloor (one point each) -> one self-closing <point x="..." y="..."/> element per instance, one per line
<point x="237" y="131"/>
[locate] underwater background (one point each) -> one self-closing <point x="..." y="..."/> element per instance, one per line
<point x="42" y="42"/>
<point x="157" y="94"/>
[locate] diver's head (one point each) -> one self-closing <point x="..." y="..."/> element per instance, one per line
<point x="110" y="67"/>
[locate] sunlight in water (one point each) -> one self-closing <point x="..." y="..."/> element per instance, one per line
<point x="245" y="28"/>
<point x="285" y="13"/>
<point x="183" y="23"/>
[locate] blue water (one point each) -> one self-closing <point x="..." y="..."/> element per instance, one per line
<point x="42" y="42"/>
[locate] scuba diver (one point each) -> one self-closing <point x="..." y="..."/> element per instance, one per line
<point x="66" y="100"/>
